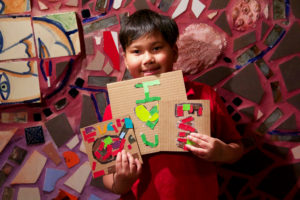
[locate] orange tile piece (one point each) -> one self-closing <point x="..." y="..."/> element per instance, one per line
<point x="65" y="195"/>
<point x="71" y="158"/>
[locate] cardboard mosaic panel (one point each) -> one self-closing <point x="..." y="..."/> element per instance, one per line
<point x="104" y="140"/>
<point x="139" y="98"/>
<point x="180" y="118"/>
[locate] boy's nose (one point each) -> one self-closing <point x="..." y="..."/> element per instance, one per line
<point x="148" y="58"/>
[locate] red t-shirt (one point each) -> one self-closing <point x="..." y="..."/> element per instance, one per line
<point x="168" y="175"/>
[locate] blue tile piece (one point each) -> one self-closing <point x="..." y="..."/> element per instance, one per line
<point x="93" y="197"/>
<point x="51" y="177"/>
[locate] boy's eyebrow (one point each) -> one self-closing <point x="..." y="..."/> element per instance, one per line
<point x="137" y="46"/>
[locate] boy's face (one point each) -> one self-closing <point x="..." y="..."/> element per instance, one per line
<point x="150" y="55"/>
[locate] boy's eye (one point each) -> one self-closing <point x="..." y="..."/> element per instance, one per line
<point x="157" y="48"/>
<point x="136" y="51"/>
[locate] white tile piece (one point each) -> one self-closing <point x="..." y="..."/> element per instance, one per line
<point x="296" y="152"/>
<point x="197" y="7"/>
<point x="98" y="40"/>
<point x="73" y="142"/>
<point x="212" y="15"/>
<point x="42" y="6"/>
<point x="26" y="193"/>
<point x="114" y="35"/>
<point x="77" y="180"/>
<point x="117" y="4"/>
<point x="180" y="8"/>
<point x="82" y="147"/>
<point x="259" y="115"/>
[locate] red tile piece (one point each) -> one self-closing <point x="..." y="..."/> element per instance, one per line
<point x="111" y="50"/>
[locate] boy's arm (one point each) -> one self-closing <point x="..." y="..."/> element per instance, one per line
<point x="127" y="171"/>
<point x="213" y="149"/>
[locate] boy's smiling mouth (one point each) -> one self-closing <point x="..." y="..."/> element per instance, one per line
<point x="153" y="71"/>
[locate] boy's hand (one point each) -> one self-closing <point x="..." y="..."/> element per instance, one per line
<point x="206" y="147"/>
<point x="127" y="171"/>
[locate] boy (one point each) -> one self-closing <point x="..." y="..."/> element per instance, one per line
<point x="149" y="43"/>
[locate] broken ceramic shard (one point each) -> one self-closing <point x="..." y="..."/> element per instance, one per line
<point x="181" y="8"/>
<point x="197" y="7"/>
<point x="246" y="84"/>
<point x="244" y="41"/>
<point x="165" y="5"/>
<point x="31" y="170"/>
<point x="290" y="72"/>
<point x="101" y="81"/>
<point x="287" y="45"/>
<point x="100" y="24"/>
<point x="78" y="179"/>
<point x="88" y="112"/>
<point x="52" y="153"/>
<point x="223" y="23"/>
<point x="215" y="75"/>
<point x="60" y="129"/>
<point x="217" y="4"/>
<point x="5" y="137"/>
<point x="245" y="14"/>
<point x="199" y="48"/>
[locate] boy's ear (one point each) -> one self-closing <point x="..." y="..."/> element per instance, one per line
<point x="124" y="58"/>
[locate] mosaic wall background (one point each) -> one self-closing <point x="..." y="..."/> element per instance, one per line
<point x="68" y="45"/>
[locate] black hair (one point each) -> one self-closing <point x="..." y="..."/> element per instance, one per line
<point x="146" y="21"/>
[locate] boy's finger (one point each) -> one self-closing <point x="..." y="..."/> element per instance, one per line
<point x="197" y="151"/>
<point x="200" y="136"/>
<point x="138" y="166"/>
<point x="198" y="142"/>
<point x="119" y="161"/>
<point x="132" y="165"/>
<point x="124" y="159"/>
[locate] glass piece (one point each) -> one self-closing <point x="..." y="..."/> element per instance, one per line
<point x="248" y="54"/>
<point x="272" y="118"/>
<point x="273" y="36"/>
<point x="264" y="68"/>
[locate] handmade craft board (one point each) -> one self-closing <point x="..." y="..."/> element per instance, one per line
<point x="19" y="82"/>
<point x="56" y="35"/>
<point x="139" y="98"/>
<point x="104" y="140"/>
<point x="180" y="118"/>
<point x="16" y="38"/>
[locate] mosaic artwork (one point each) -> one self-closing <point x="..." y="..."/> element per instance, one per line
<point x="103" y="141"/>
